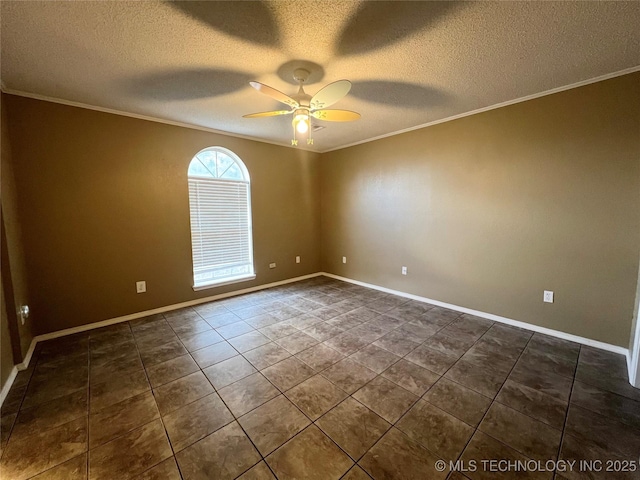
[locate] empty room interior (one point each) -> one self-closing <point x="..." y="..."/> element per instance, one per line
<point x="320" y="240"/>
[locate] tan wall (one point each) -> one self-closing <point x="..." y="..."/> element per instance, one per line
<point x="104" y="202"/>
<point x="14" y="266"/>
<point x="490" y="210"/>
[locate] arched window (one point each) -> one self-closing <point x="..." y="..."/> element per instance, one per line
<point x="220" y="210"/>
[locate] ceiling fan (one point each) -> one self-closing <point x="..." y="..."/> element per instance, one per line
<point x="303" y="106"/>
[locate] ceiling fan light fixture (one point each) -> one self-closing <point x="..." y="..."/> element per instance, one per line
<point x="301" y="122"/>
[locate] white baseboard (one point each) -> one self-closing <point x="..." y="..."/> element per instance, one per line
<point x="7" y="385"/>
<point x="167" y="308"/>
<point x="491" y="316"/>
<point x="528" y="326"/>
<point x="633" y="360"/>
<point x="125" y="318"/>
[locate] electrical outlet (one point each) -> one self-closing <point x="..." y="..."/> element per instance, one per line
<point x="141" y="287"/>
<point x="344" y="259"/>
<point x="272" y="265"/>
<point x="404" y="270"/>
<point x="548" y="296"/>
<point x="298" y="259"/>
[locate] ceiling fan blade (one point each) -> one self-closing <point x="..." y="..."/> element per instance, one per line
<point x="268" y="114"/>
<point x="273" y="93"/>
<point x="330" y="94"/>
<point x="336" y="115"/>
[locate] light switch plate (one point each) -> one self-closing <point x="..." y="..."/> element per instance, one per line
<point x="141" y="287"/>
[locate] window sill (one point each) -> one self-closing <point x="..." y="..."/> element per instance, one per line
<point x="228" y="281"/>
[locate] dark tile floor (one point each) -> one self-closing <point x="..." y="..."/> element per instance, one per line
<point x="318" y="379"/>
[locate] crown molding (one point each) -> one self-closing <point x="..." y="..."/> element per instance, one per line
<point x="149" y="118"/>
<point x="193" y="126"/>
<point x="533" y="96"/>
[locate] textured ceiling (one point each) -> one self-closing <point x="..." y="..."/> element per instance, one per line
<point x="411" y="63"/>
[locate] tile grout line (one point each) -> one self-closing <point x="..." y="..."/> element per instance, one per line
<point x="566" y="415"/>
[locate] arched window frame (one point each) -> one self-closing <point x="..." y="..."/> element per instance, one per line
<point x="212" y="174"/>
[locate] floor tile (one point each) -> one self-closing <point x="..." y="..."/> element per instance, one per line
<point x="483" y="447"/>
<point x="448" y="344"/>
<point x="396" y="342"/>
<point x="369" y="332"/>
<point x="548" y="383"/>
<point x="288" y="373"/>
<point x="171" y="370"/>
<point x="608" y="434"/>
<point x="213" y="354"/>
<point x="196" y="420"/>
<point x="131" y="454"/>
<point x="224" y="454"/>
<point x="548" y="362"/>
<point x="409" y="310"/>
<point x="556" y="346"/>
<point x="606" y="403"/>
<point x="180" y="392"/>
<point x="120" y="418"/>
<point x="23" y="458"/>
<point x="319" y="357"/>
<point x="509" y="335"/>
<point x="221" y="319"/>
<point x="433" y="360"/>
<point x="322" y="331"/>
<point x="347" y="343"/>
<point x="248" y="341"/>
<point x="309" y="455"/>
<point x="532" y="438"/>
<point x="165" y="470"/>
<point x="278" y="330"/>
<point x="481" y="380"/>
<point x="533" y="403"/>
<point x="201" y="340"/>
<point x="459" y="401"/>
<point x="584" y="452"/>
<point x="266" y="355"/>
<point x="315" y="396"/>
<point x="156" y="338"/>
<point x="273" y="423"/>
<point x="385" y="398"/>
<point x="326" y="313"/>
<point x="411" y="376"/>
<point x="396" y="456"/>
<point x="234" y="329"/>
<point x="261" y="321"/>
<point x="375" y="358"/>
<point x="304" y="321"/>
<point x="56" y="384"/>
<point x="348" y="375"/>
<point x="436" y="430"/>
<point x="51" y="414"/>
<point x="353" y="427"/>
<point x="356" y="473"/>
<point x="190" y="328"/>
<point x="285" y="312"/>
<point x="6" y="425"/>
<point x="162" y="353"/>
<point x="297" y="342"/>
<point x="117" y="389"/>
<point x="258" y="472"/>
<point x="74" y="469"/>
<point x="228" y="371"/>
<point x="491" y="358"/>
<point x="248" y="393"/>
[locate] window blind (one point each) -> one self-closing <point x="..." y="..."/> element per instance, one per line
<point x="220" y="230"/>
